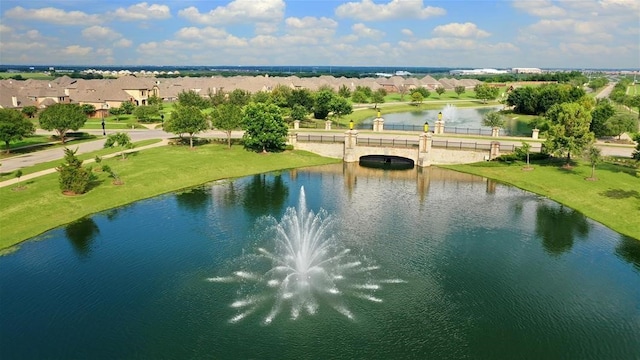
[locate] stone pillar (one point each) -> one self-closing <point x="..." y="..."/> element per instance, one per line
<point x="424" y="149"/>
<point x="495" y="131"/>
<point x="495" y="150"/>
<point x="327" y="125"/>
<point x="296" y="124"/>
<point x="535" y="133"/>
<point x="439" y="127"/>
<point x="350" y="143"/>
<point x="292" y="139"/>
<point x="378" y="124"/>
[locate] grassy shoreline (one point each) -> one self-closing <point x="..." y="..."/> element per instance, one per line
<point x="612" y="200"/>
<point x="33" y="207"/>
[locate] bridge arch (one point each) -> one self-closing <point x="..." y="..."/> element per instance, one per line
<point x="387" y="161"/>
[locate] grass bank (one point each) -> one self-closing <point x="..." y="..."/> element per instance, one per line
<point x="613" y="200"/>
<point x="33" y="207"/>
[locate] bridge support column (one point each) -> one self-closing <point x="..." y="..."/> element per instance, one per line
<point x="495" y="150"/>
<point x="495" y="131"/>
<point x="439" y="127"/>
<point x="292" y="138"/>
<point x="424" y="149"/>
<point x="350" y="143"/>
<point x="296" y="124"/>
<point x="327" y="125"/>
<point x="535" y="133"/>
<point x="378" y="124"/>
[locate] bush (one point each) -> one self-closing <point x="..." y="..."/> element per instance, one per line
<point x="73" y="177"/>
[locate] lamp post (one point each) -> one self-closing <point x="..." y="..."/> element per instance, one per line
<point x="440" y="116"/>
<point x="426" y="127"/>
<point x="162" y="121"/>
<point x="351" y="125"/>
<point x="104" y="106"/>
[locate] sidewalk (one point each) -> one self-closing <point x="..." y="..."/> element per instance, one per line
<point x="53" y="170"/>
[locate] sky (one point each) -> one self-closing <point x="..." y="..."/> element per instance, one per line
<point x="576" y="34"/>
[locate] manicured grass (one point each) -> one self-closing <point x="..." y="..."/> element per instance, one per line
<point x="613" y="200"/>
<point x="90" y="155"/>
<point x="41" y="144"/>
<point x="27" y="141"/>
<point x="40" y="205"/>
<point x="27" y="75"/>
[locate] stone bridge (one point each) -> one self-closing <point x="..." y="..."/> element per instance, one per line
<point x="422" y="149"/>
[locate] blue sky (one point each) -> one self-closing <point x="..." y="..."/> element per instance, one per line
<point x="497" y="34"/>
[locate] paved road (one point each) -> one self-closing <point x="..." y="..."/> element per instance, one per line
<point x="604" y="93"/>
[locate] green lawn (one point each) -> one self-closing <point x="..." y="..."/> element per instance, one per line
<point x="613" y="200"/>
<point x="27" y="75"/>
<point x="40" y="206"/>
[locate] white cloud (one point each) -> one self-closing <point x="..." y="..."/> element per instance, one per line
<point x="123" y="43"/>
<point x="142" y="11"/>
<point x="77" y="50"/>
<point x="466" y="30"/>
<point x="53" y="15"/>
<point x="363" y="31"/>
<point x="367" y="10"/>
<point x="540" y="8"/>
<point x="97" y="32"/>
<point x="4" y="29"/>
<point x="238" y="12"/>
<point x="195" y="33"/>
<point x="407" y="32"/>
<point x="311" y="26"/>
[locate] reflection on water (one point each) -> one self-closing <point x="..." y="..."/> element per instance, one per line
<point x="629" y="250"/>
<point x="265" y="194"/>
<point x="81" y="234"/>
<point x="558" y="226"/>
<point x="194" y="200"/>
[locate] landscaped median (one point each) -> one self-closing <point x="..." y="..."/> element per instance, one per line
<point x="38" y="204"/>
<point x="613" y="199"/>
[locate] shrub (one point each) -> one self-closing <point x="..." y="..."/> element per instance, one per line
<point x="73" y="177"/>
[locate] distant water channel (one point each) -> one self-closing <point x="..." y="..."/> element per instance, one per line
<point x="484" y="270"/>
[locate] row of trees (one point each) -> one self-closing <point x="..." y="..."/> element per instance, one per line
<point x="537" y="100"/>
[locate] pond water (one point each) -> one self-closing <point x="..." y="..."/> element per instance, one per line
<point x="452" y="116"/>
<point x="439" y="265"/>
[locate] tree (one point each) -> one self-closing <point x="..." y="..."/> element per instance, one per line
<point x="239" y="97"/>
<point x="486" y="92"/>
<point x="298" y="112"/>
<point x="569" y="129"/>
<point x="74" y="179"/>
<point x="402" y="90"/>
<point x="523" y="100"/>
<point x="217" y="98"/>
<point x="88" y="109"/>
<point x="634" y="101"/>
<point x="595" y="156"/>
<point x="460" y="89"/>
<point x="186" y="119"/>
<point x="227" y="117"/>
<point x="261" y="97"/>
<point x="423" y="91"/>
<point x="146" y="113"/>
<point x="365" y="89"/>
<point x="30" y="111"/>
<point x="344" y="91"/>
<point x="440" y="90"/>
<point x="117" y="112"/>
<point x="493" y="119"/>
<point x="119" y="139"/>
<point x="599" y="116"/>
<point x="192" y="98"/>
<point x="378" y="97"/>
<point x="14" y="126"/>
<point x="636" y="152"/>
<point x="416" y="98"/>
<point x="128" y="107"/>
<point x="302" y="97"/>
<point x="598" y="83"/>
<point x="155" y="101"/>
<point x="340" y="106"/>
<point x="321" y="107"/>
<point x="525" y="149"/>
<point x="62" y="118"/>
<point x="360" y="97"/>
<point x="265" y="129"/>
<point x="621" y="123"/>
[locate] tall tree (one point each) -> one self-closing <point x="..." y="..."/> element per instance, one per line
<point x="634" y="101"/>
<point x="569" y="129"/>
<point x="486" y="92"/>
<point x="595" y="156"/>
<point x="321" y="104"/>
<point x="302" y="97"/>
<point x="265" y="129"/>
<point x="377" y="97"/>
<point x="239" y="97"/>
<point x="186" y="120"/>
<point x="62" y="118"/>
<point x="298" y="112"/>
<point x="599" y="116"/>
<point x="227" y="117"/>
<point x="30" y="111"/>
<point x="621" y="123"/>
<point x="14" y="126"/>
<point x="344" y="91"/>
<point x="192" y="98"/>
<point x="340" y="106"/>
<point x="493" y="119"/>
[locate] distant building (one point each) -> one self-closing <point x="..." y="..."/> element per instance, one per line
<point x="526" y="71"/>
<point x="478" y="72"/>
<point x="402" y="73"/>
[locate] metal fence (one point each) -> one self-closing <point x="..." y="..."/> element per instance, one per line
<point x="405" y="143"/>
<point x="321" y="138"/>
<point x="462" y="145"/>
<point x="397" y="143"/>
<point x="467" y="131"/>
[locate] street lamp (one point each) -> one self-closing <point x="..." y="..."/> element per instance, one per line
<point x="162" y="121"/>
<point x="426" y="127"/>
<point x="104" y="106"/>
<point x="440" y="116"/>
<point x="351" y="125"/>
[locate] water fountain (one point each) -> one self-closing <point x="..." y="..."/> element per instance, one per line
<point x="305" y="266"/>
<point x="449" y="113"/>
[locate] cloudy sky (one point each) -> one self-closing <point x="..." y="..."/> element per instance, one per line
<point x="453" y="33"/>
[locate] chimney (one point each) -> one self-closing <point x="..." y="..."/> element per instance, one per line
<point x="14" y="101"/>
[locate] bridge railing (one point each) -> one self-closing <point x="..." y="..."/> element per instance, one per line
<point x="468" y="131"/>
<point x="463" y="145"/>
<point x="321" y="138"/>
<point x="397" y="143"/>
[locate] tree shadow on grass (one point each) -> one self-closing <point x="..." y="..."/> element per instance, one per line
<point x="620" y="194"/>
